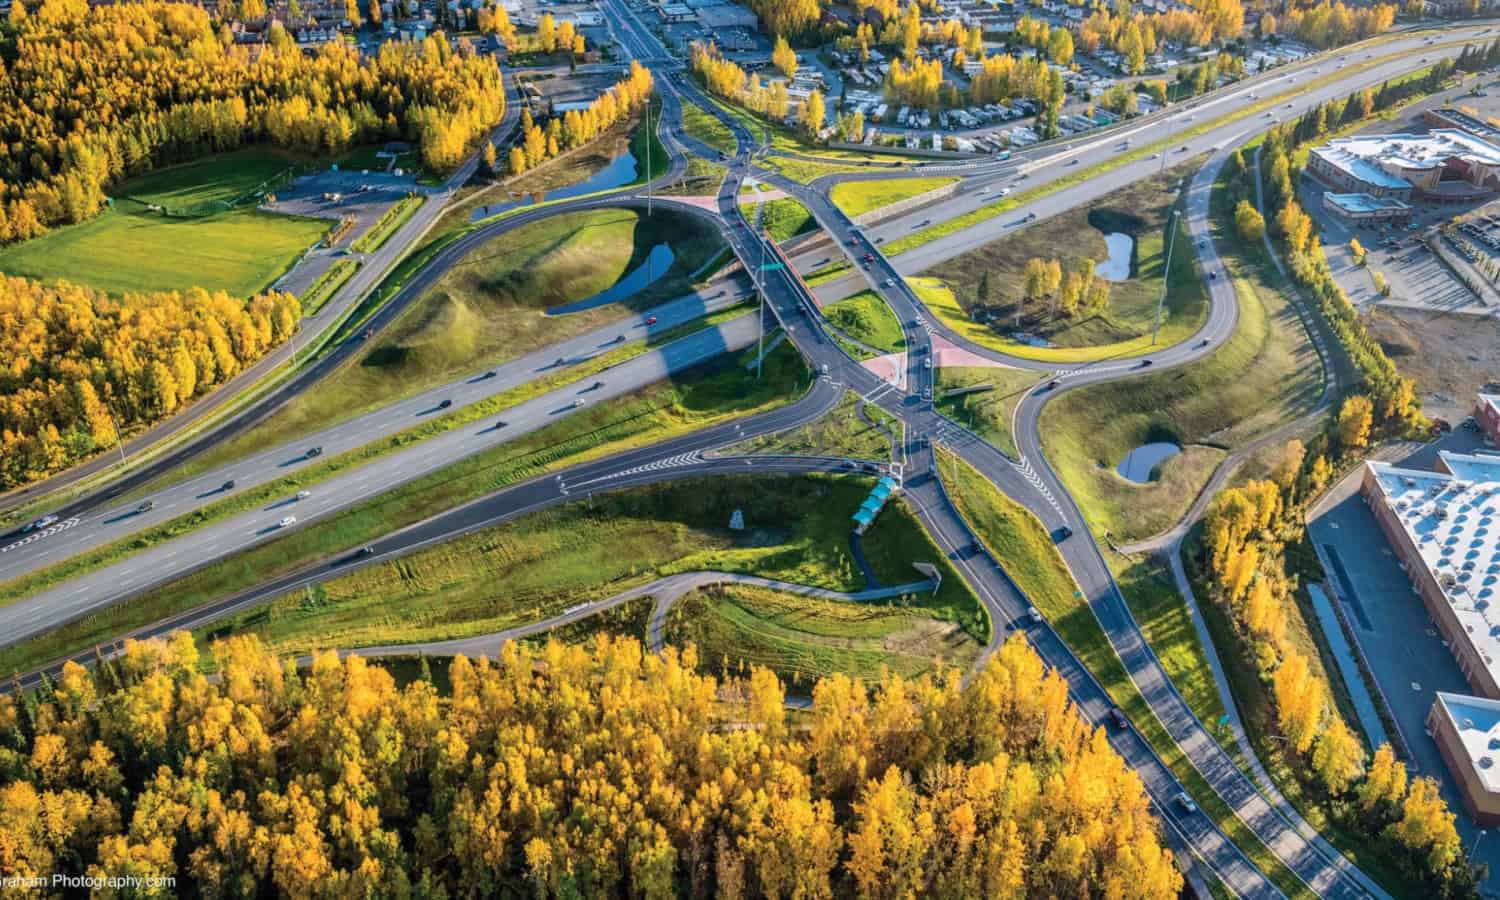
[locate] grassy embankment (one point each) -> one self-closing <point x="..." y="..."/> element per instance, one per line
<point x="858" y="197"/>
<point x="537" y="566"/>
<point x="986" y="413"/>
<point x="689" y="401"/>
<point x="707" y="128"/>
<point x="1265" y="374"/>
<point x="867" y="318"/>
<point x="127" y="247"/>
<point x="843" y="432"/>
<point x="1019" y="542"/>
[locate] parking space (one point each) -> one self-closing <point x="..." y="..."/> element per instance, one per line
<point x="1391" y="625"/>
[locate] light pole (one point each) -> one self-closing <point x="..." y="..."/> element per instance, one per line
<point x="1477" y="838"/>
<point x="1166" y="279"/>
<point x="119" y="444"/>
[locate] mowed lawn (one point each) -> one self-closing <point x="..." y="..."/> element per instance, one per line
<point x="129" y="248"/>
<point x="858" y="197"/>
<point x="868" y="319"/>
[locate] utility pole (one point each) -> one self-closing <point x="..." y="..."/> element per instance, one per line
<point x="119" y="444"/>
<point x="1166" y="279"/>
<point x="760" y="287"/>
<point x="648" y="155"/>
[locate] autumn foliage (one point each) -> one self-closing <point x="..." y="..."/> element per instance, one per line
<point x="92" y="94"/>
<point x="74" y="356"/>
<point x="598" y="770"/>
<point x="575" y="128"/>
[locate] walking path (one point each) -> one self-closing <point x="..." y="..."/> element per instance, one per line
<point x="666" y="591"/>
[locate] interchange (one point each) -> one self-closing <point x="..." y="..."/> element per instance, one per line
<point x="1029" y="480"/>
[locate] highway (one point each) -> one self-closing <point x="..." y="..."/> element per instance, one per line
<point x="1029" y="479"/>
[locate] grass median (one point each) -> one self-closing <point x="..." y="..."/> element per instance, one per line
<point x="984" y="399"/>
<point x="1019" y="542"/>
<point x="324" y="470"/>
<point x="388" y="224"/>
<point x="706" y="127"/>
<point x="868" y="319"/>
<point x="692" y="400"/>
<point x="856" y="198"/>
<point x="327" y="285"/>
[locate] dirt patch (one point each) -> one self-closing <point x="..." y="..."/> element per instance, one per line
<point x="1450" y="357"/>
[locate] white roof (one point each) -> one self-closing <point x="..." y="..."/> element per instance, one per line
<point x="1454" y="522"/>
<point x="1363" y="155"/>
<point x="1477" y="722"/>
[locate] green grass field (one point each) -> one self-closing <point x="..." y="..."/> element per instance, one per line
<point x="859" y="197"/>
<point x="868" y="319"/>
<point x="327" y="285"/>
<point x="707" y="128"/>
<point x="1141" y="211"/>
<point x="803" y="639"/>
<point x="843" y="432"/>
<point x="785" y="218"/>
<point x="127" y="248"/>
<point x="1266" y="374"/>
<point x="986" y="413"/>
<point x="693" y="399"/>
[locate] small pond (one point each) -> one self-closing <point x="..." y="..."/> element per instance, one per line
<point x="1138" y="463"/>
<point x="658" y="261"/>
<point x="620" y="171"/>
<point x="1117" y="266"/>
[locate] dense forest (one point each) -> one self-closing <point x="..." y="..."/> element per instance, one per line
<point x="594" y="770"/>
<point x="79" y="362"/>
<point x="92" y="94"/>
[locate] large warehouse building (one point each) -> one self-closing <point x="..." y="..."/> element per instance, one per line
<point x="1445" y="165"/>
<point x="1444" y="527"/>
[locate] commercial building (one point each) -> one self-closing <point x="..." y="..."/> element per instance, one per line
<point x="727" y="15"/>
<point x="1462" y="119"/>
<point x="1467" y="732"/>
<point x="1444" y="165"/>
<point x="1363" y="209"/>
<point x="1487" y="414"/>
<point x="1444" y="528"/>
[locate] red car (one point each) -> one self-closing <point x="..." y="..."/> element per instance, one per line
<point x="651" y="320"/>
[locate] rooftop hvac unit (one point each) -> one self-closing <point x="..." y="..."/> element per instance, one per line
<point x="1410" y="481"/>
<point x="1441" y="512"/>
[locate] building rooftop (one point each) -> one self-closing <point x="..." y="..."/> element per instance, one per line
<point x="1367" y="156"/>
<point x="1477" y="722"/>
<point x="1357" y="203"/>
<point x="1454" y="522"/>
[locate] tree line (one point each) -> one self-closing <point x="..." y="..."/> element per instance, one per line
<point x="577" y="127"/>
<point x="90" y="95"/>
<point x="79" y="363"/>
<point x="586" y="770"/>
<point x="1249" y="533"/>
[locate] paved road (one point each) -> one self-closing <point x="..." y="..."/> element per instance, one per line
<point x="373" y="270"/>
<point x="1034" y="483"/>
<point x="45" y="610"/>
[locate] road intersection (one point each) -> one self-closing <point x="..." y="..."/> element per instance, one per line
<point x="1029" y="479"/>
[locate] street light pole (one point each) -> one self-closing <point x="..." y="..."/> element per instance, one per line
<point x="119" y="444"/>
<point x="1166" y="279"/>
<point x="1477" y="838"/>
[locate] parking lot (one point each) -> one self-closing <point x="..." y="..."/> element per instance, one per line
<point x="1389" y="621"/>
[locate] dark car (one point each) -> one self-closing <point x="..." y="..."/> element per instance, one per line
<point x="1052" y="385"/>
<point x="1118" y="719"/>
<point x="313" y="451"/>
<point x="1061" y="534"/>
<point x="146" y="506"/>
<point x="229" y="485"/>
<point x="445" y="404"/>
<point x="1145" y="363"/>
<point x="366" y="550"/>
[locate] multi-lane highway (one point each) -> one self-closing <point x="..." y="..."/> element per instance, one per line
<point x="1030" y="479"/>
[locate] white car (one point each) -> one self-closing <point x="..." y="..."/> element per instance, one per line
<point x="577" y="402"/>
<point x="287" y="522"/>
<point x="41" y="523"/>
<point x="303" y="495"/>
<point x="890" y="282"/>
<point x="1186" y="803"/>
